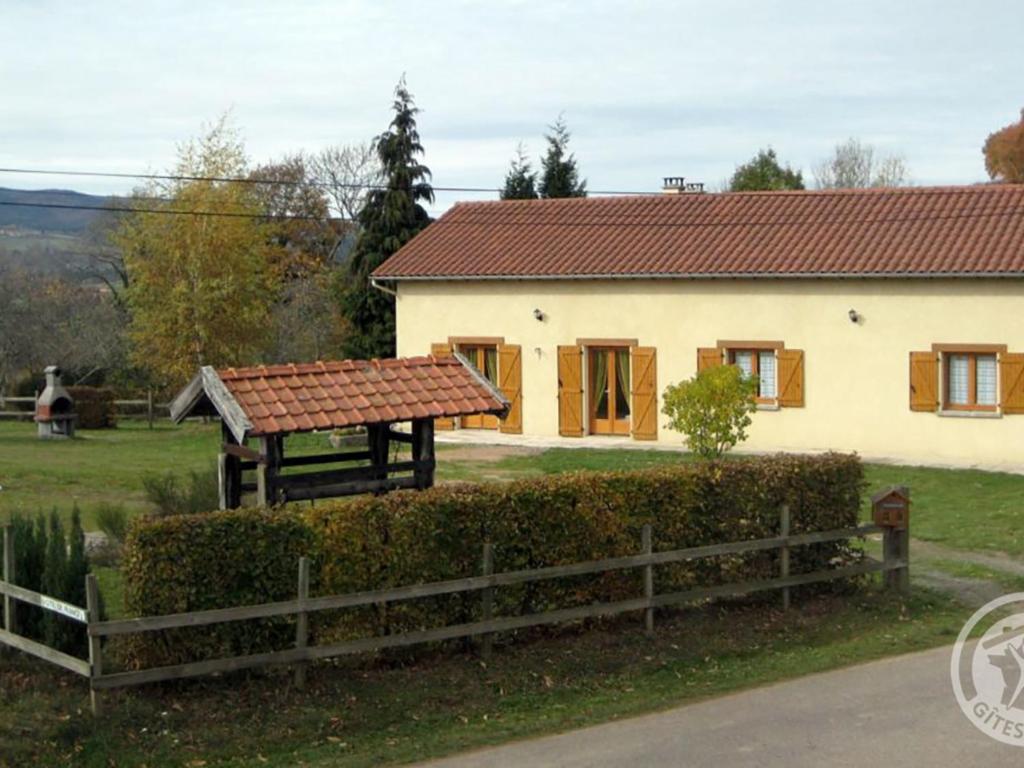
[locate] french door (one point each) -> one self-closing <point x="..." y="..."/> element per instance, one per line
<point x="485" y="358"/>
<point x="609" y="385"/>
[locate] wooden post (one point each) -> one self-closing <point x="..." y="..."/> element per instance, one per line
<point x="302" y="622"/>
<point x="896" y="547"/>
<point x="229" y="473"/>
<point x="487" y="602"/>
<point x="648" y="548"/>
<point x="92" y="607"/>
<point x="149" y="407"/>
<point x="784" y="526"/>
<point x="377" y="438"/>
<point x="266" y="472"/>
<point x="10" y="623"/>
<point x="423" y="450"/>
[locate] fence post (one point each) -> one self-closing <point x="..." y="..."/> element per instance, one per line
<point x="149" y="407"/>
<point x="92" y="607"/>
<point x="10" y="624"/>
<point x="648" y="548"/>
<point x="784" y="527"/>
<point x="896" y="547"/>
<point x="302" y="622"/>
<point x="487" y="602"/>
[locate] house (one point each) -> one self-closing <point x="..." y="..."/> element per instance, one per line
<point x="886" y="321"/>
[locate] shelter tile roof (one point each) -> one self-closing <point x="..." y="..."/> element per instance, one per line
<point x="277" y="399"/>
<point x="907" y="232"/>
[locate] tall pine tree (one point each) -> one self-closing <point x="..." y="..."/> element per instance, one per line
<point x="389" y="219"/>
<point x="560" y="177"/>
<point x="521" y="180"/>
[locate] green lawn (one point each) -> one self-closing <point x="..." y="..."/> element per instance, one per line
<point x="382" y="712"/>
<point x="967" y="509"/>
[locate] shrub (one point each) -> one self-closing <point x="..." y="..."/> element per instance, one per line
<point x="166" y="493"/>
<point x="712" y="409"/>
<point x="112" y="519"/>
<point x="48" y="561"/>
<point x="94" y="407"/>
<point x="216" y="560"/>
<point x="247" y="556"/>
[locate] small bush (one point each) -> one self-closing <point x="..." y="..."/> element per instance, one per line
<point x="170" y="497"/>
<point x="112" y="519"/>
<point x="712" y="409"/>
<point x="217" y="560"/>
<point x="94" y="407"/>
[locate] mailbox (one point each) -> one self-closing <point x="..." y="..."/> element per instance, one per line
<point x="891" y="507"/>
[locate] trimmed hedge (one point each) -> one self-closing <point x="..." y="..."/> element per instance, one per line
<point x="214" y="560"/>
<point x="238" y="557"/>
<point x="94" y="407"/>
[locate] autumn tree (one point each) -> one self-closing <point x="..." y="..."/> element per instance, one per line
<point x="200" y="264"/>
<point x="854" y="165"/>
<point x="764" y="172"/>
<point x="391" y="217"/>
<point x="521" y="179"/>
<point x="559" y="174"/>
<point x="1004" y="153"/>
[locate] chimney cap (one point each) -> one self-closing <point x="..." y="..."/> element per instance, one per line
<point x="674" y="185"/>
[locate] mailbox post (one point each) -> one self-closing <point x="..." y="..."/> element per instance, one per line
<point x="890" y="508"/>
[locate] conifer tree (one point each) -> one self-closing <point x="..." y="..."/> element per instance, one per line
<point x="389" y="219"/>
<point x="54" y="579"/>
<point x="559" y="174"/>
<point x="521" y="180"/>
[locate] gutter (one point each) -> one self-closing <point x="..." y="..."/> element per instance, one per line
<point x="381" y="288"/>
<point x="722" y="276"/>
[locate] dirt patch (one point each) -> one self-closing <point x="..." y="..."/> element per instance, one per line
<point x="971" y="592"/>
<point x="486" y="453"/>
<point x="996" y="561"/>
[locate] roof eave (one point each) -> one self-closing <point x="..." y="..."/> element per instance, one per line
<point x="716" y="276"/>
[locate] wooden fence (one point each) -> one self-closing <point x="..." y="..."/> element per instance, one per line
<point x="146" y="408"/>
<point x="895" y="568"/>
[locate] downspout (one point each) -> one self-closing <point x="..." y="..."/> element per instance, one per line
<point x="383" y="289"/>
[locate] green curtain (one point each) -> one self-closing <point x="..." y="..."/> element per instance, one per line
<point x="622" y="383"/>
<point x="491" y="365"/>
<point x="601" y="384"/>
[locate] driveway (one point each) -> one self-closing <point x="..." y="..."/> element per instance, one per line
<point x="894" y="713"/>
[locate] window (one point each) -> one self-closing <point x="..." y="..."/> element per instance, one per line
<point x="760" y="363"/>
<point x="970" y="381"/>
<point x="484" y="357"/>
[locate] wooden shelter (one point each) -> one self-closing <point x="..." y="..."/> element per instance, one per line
<point x="268" y="403"/>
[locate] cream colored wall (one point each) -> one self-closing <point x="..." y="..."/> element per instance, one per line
<point x="856" y="376"/>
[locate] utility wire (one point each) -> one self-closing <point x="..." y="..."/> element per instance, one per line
<point x="275" y="182"/>
<point x="174" y="211"/>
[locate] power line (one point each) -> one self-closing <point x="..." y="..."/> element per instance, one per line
<point x="173" y="211"/>
<point x="273" y="182"/>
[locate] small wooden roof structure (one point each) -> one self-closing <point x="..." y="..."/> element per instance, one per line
<point x="268" y="402"/>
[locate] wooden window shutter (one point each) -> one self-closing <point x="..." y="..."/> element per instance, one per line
<point x="570" y="391"/>
<point x="791" y="377"/>
<point x="442" y="350"/>
<point x="644" y="414"/>
<point x="708" y="357"/>
<point x="510" y="382"/>
<point x="924" y="381"/>
<point x="1011" y="375"/>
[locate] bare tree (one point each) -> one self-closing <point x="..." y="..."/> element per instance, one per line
<point x="347" y="171"/>
<point x="854" y="165"/>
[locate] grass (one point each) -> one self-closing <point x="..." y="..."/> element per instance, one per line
<point x="381" y="712"/>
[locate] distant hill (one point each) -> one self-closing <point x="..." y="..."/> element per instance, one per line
<point x="56" y="220"/>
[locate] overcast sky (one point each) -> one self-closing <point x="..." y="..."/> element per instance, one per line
<point x="649" y="89"/>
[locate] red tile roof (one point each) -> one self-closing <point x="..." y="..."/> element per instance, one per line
<point x="916" y="231"/>
<point x="325" y="395"/>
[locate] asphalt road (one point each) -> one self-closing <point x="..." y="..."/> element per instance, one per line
<point x="895" y="713"/>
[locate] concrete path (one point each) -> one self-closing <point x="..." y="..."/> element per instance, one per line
<point x="894" y="713"/>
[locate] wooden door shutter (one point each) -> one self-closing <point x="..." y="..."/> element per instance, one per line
<point x="924" y="381"/>
<point x="510" y="382"/>
<point x="442" y="350"/>
<point x="708" y="357"/>
<point x="1011" y="375"/>
<point x="570" y="391"/>
<point x="791" y="378"/>
<point x="644" y="402"/>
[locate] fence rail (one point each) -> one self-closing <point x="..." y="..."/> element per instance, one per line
<point x="895" y="567"/>
<point x="146" y="408"/>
